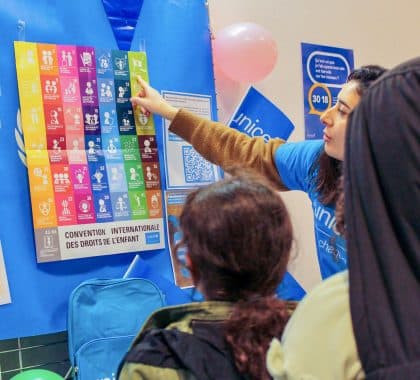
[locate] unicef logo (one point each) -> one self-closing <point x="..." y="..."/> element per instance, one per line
<point x="19" y="139"/>
<point x="249" y="126"/>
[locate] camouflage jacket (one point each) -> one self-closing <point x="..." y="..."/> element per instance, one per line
<point x="184" y="342"/>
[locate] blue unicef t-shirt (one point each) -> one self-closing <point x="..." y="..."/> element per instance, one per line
<point x="294" y="162"/>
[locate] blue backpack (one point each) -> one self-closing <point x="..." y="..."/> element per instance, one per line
<point x="104" y="318"/>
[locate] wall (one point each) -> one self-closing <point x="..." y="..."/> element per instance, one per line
<point x="47" y="352"/>
<point x="380" y="32"/>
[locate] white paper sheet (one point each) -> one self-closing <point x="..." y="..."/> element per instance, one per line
<point x="185" y="168"/>
<point x="4" y="285"/>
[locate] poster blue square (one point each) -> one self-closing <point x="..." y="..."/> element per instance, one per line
<point x="325" y="69"/>
<point x="103" y="207"/>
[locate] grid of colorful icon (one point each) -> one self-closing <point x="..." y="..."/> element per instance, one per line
<point x="91" y="157"/>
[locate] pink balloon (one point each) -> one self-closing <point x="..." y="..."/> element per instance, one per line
<point x="245" y="52"/>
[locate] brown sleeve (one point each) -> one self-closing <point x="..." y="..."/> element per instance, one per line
<point x="227" y="147"/>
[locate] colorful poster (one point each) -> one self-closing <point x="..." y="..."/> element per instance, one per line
<point x="325" y="70"/>
<point x="174" y="201"/>
<point x="4" y="285"/>
<point x="94" y="188"/>
<point x="185" y="168"/>
<point x="257" y="116"/>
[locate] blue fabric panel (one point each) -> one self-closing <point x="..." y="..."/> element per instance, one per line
<point x="289" y="289"/>
<point x="123" y="15"/>
<point x="176" y="37"/>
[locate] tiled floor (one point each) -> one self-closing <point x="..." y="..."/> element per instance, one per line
<point x="43" y="351"/>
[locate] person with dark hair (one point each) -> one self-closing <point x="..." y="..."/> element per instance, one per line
<point x="364" y="322"/>
<point x="238" y="237"/>
<point x="310" y="166"/>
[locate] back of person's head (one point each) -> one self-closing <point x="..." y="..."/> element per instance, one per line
<point x="382" y="219"/>
<point x="329" y="168"/>
<point x="238" y="236"/>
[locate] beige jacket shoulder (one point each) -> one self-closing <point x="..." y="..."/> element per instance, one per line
<point x="318" y="342"/>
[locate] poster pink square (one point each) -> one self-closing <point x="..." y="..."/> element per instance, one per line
<point x="73" y="119"/>
<point x="80" y="178"/>
<point x="75" y="144"/>
<point x="67" y="60"/>
<point x="70" y="90"/>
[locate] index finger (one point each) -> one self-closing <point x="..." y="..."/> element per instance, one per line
<point x="143" y="86"/>
<point x="141" y="81"/>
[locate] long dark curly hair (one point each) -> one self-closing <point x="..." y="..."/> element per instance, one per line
<point x="238" y="236"/>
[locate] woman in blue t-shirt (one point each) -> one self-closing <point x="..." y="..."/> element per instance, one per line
<point x="312" y="166"/>
<point x="315" y="166"/>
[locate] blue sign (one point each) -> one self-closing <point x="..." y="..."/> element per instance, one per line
<point x="325" y="69"/>
<point x="258" y="116"/>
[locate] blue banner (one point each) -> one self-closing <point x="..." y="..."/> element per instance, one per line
<point x="258" y="116"/>
<point x="39" y="292"/>
<point x="325" y="70"/>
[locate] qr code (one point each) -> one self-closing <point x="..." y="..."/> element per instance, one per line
<point x="196" y="168"/>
